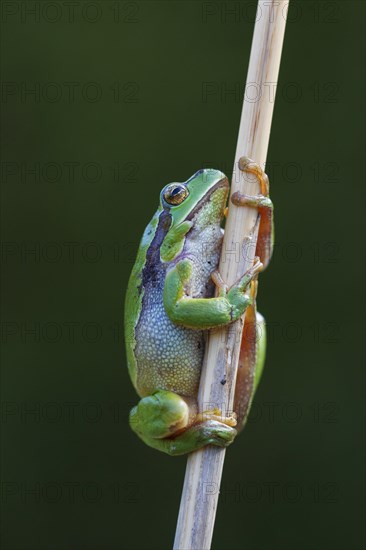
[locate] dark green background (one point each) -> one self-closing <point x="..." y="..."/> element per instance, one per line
<point x="294" y="479"/>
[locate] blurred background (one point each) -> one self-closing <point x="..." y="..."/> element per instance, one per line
<point x="103" y="103"/>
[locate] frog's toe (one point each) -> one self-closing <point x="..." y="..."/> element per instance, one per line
<point x="216" y="414"/>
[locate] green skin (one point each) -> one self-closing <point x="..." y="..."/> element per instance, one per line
<point x="170" y="303"/>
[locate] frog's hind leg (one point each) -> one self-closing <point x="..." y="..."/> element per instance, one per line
<point x="265" y="208"/>
<point x="170" y="423"/>
<point x="251" y="360"/>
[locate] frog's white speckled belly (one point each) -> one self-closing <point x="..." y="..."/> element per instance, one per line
<point x="168" y="356"/>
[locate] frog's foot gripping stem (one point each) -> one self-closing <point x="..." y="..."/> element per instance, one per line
<point x="217" y="416"/>
<point x="264" y="205"/>
<point x="170" y="423"/>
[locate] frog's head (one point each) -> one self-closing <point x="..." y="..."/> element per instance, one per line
<point x="198" y="202"/>
<point x="185" y="200"/>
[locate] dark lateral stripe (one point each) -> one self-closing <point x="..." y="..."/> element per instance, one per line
<point x="152" y="263"/>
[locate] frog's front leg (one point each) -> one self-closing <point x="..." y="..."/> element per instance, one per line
<point x="205" y="313"/>
<point x="265" y="208"/>
<point x="170" y="423"/>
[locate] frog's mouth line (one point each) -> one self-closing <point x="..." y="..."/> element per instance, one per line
<point x="224" y="182"/>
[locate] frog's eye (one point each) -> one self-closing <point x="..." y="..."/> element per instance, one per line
<point x="175" y="193"/>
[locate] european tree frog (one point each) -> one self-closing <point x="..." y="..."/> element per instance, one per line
<point x="171" y="303"/>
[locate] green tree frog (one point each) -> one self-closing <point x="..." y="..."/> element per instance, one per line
<point x="171" y="303"/>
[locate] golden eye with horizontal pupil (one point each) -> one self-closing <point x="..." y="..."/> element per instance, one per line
<point x="175" y="193"/>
